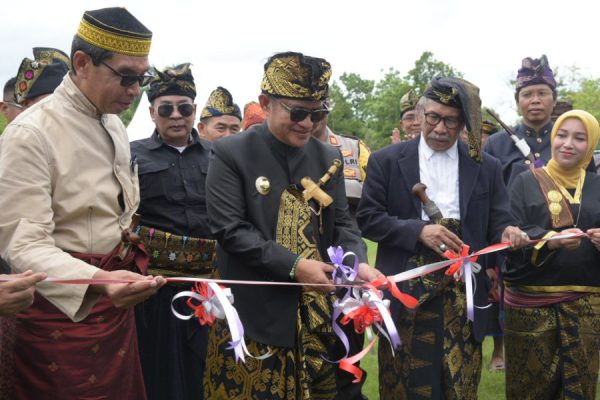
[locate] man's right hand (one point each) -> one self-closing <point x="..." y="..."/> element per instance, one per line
<point x="124" y="295"/>
<point x="433" y="236"/>
<point x="312" y="271"/>
<point x="17" y="295"/>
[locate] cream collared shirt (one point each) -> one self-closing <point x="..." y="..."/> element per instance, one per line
<point x="439" y="172"/>
<point x="63" y="169"/>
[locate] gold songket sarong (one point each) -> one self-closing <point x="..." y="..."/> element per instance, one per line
<point x="289" y="373"/>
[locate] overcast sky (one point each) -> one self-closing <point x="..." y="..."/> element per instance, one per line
<point x="228" y="42"/>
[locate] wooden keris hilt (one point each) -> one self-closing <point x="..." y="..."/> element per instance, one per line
<point x="430" y="208"/>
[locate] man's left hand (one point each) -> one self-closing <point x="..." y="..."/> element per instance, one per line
<point x="516" y="237"/>
<point x="368" y="273"/>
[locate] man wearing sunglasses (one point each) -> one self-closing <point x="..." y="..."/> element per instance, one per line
<point x="9" y="106"/>
<point x="472" y="209"/>
<point x="172" y="166"/>
<point x="220" y="116"/>
<point x="69" y="194"/>
<point x="271" y="227"/>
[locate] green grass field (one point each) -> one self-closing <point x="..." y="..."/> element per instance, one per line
<point x="491" y="386"/>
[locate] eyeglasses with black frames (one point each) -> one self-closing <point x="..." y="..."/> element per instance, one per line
<point x="298" y="114"/>
<point x="129" y="80"/>
<point x="449" y="122"/>
<point x="185" y="109"/>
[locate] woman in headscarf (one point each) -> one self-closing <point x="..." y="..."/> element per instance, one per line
<point x="553" y="287"/>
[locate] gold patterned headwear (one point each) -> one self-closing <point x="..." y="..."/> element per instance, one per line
<point x="176" y="80"/>
<point x="296" y="76"/>
<point x="220" y="102"/>
<point x="461" y="94"/>
<point x="408" y="102"/>
<point x="115" y="29"/>
<point x="41" y="75"/>
<point x="488" y="127"/>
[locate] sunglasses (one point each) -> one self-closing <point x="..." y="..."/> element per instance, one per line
<point x="299" y="114"/>
<point x="185" y="109"/>
<point x="129" y="80"/>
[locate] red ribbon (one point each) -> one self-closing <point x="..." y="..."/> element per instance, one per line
<point x="199" y="311"/>
<point x="362" y="317"/>
<point x="388" y="282"/>
<point x="347" y="363"/>
<point x="464" y="253"/>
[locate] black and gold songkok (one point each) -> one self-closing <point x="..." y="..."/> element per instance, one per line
<point x="296" y="76"/>
<point x="115" y="29"/>
<point x="488" y="127"/>
<point x="461" y="94"/>
<point x="220" y="102"/>
<point x="174" y="81"/>
<point x="408" y="102"/>
<point x="41" y="75"/>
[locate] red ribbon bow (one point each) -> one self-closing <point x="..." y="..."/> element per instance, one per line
<point x="200" y="312"/>
<point x="450" y="255"/>
<point x="362" y="317"/>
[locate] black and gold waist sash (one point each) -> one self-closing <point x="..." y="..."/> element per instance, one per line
<point x="175" y="255"/>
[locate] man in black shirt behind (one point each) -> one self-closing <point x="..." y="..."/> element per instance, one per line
<point x="172" y="166"/>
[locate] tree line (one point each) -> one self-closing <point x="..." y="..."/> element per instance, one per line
<point x="370" y="109"/>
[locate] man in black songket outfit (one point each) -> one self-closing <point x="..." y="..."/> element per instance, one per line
<point x="535" y="96"/>
<point x="440" y="357"/>
<point x="172" y="166"/>
<point x="276" y="202"/>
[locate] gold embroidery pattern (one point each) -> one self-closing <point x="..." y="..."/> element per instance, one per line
<point x="438" y="329"/>
<point x="446" y="98"/>
<point x="292" y="223"/>
<point x="112" y="42"/>
<point x="220" y="102"/>
<point x="549" y="345"/>
<point x="298" y="373"/>
<point x="174" y="255"/>
<point x="286" y="77"/>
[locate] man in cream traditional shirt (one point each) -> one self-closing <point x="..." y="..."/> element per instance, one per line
<point x="440" y="355"/>
<point x="69" y="189"/>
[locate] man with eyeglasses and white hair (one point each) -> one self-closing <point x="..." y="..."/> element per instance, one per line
<point x="172" y="166"/>
<point x="69" y="194"/>
<point x="276" y="201"/>
<point x="440" y="357"/>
